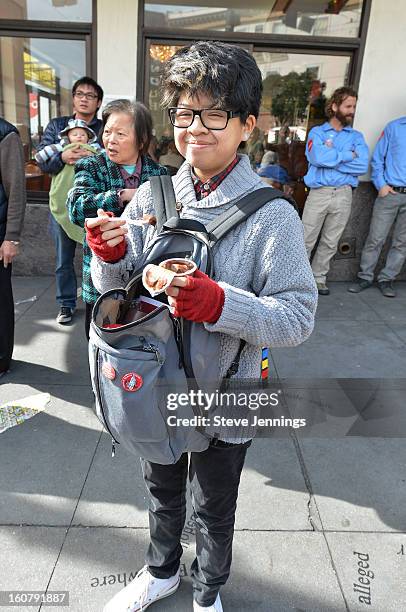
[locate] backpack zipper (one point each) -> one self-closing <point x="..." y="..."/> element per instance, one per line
<point x="114" y="441"/>
<point x="187" y="358"/>
<point x="179" y="341"/>
<point x="150" y="348"/>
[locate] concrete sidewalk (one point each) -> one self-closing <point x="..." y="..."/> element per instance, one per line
<point x="321" y="520"/>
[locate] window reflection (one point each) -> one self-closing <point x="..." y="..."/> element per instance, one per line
<point x="36" y="78"/>
<point x="296" y="88"/>
<point x="158" y="54"/>
<point x="300" y="17"/>
<point x="47" y="10"/>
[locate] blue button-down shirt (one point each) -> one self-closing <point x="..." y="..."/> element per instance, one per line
<point x="335" y="166"/>
<point x="388" y="163"/>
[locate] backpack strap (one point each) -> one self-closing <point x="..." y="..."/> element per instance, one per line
<point x="224" y="223"/>
<point x="241" y="210"/>
<point x="164" y="199"/>
<point x="235" y="364"/>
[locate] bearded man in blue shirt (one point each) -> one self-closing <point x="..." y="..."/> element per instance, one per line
<point x="388" y="174"/>
<point x="337" y="156"/>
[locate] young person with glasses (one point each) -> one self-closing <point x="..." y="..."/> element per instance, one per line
<point x="263" y="292"/>
<point x="87" y="96"/>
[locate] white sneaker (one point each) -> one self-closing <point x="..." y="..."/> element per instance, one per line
<point x="216" y="607"/>
<point x="142" y="592"/>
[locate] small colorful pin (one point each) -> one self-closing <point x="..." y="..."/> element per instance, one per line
<point x="108" y="371"/>
<point x="131" y="382"/>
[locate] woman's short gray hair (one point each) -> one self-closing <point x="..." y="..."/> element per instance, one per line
<point x="141" y="119"/>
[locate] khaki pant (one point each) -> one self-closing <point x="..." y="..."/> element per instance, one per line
<point x="327" y="209"/>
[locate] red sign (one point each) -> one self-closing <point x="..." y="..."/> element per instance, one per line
<point x="33" y="105"/>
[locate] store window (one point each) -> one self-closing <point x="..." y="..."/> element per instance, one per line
<point x="38" y="66"/>
<point x="158" y="54"/>
<point x="296" y="87"/>
<point x="323" y="51"/>
<point x="47" y="10"/>
<point x="339" y="18"/>
<point x="36" y="77"/>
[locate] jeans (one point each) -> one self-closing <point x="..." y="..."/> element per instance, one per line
<point x="386" y="210"/>
<point x="327" y="210"/>
<point x="6" y="318"/>
<point x="214" y="476"/>
<point x="66" y="284"/>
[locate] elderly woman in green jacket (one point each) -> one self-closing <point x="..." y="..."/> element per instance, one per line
<point x="109" y="180"/>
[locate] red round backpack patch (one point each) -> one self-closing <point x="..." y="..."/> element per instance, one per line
<point x="131" y="382"/>
<point x="108" y="371"/>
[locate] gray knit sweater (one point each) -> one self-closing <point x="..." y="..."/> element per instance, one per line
<point x="270" y="293"/>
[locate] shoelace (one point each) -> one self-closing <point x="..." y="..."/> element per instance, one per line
<point x="144" y="593"/>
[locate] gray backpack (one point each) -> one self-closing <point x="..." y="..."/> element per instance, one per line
<point x="140" y="355"/>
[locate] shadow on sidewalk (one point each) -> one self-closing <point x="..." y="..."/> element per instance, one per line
<point x="42" y="377"/>
<point x="49" y="456"/>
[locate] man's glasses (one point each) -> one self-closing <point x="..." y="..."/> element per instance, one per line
<point x="82" y="94"/>
<point x="211" y="118"/>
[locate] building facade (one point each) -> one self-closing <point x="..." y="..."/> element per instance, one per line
<point x="305" y="49"/>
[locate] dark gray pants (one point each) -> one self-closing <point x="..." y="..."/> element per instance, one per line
<point x="214" y="476"/>
<point x="386" y="211"/>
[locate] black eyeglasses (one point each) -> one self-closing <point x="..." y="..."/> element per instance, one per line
<point x="82" y="94"/>
<point x="211" y="118"/>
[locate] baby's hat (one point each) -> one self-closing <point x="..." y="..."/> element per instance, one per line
<point x="78" y="123"/>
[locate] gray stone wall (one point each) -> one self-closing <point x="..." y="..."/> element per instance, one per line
<point x="38" y="252"/>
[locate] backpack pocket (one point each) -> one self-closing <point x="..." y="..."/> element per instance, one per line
<point x="137" y="376"/>
<point x="126" y="367"/>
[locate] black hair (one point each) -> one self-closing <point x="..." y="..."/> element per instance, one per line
<point x="141" y="119"/>
<point x="228" y="74"/>
<point x="92" y="83"/>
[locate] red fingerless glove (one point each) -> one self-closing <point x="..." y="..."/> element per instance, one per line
<point x="101" y="248"/>
<point x="202" y="299"/>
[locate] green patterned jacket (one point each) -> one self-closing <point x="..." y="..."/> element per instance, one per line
<point x="97" y="181"/>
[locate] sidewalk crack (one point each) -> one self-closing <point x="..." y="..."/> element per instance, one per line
<point x="313" y="515"/>
<point x="311" y="511"/>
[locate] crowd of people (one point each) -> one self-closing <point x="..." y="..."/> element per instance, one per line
<point x="267" y="272"/>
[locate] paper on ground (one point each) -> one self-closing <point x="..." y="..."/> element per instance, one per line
<point x="16" y="412"/>
<point x="31" y="299"/>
